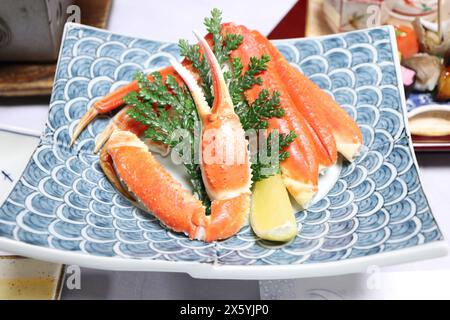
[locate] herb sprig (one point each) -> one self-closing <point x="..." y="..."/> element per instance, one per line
<point x="264" y="168"/>
<point x="153" y="98"/>
<point x="257" y="114"/>
<point x="150" y="108"/>
<point x="222" y="46"/>
<point x="194" y="55"/>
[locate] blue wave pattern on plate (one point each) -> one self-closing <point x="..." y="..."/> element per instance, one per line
<point x="64" y="201"/>
<point x="422" y="99"/>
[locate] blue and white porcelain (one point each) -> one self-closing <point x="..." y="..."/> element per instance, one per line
<point x="63" y="209"/>
<point x="419" y="100"/>
<point x="12" y="164"/>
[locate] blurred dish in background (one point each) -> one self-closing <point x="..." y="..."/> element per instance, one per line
<point x="444" y="16"/>
<point x="423" y="37"/>
<point x="408" y="10"/>
<point x="424" y="51"/>
<point x="433" y="37"/>
<point x="427" y="69"/>
<point x="347" y="15"/>
<point x="430" y="121"/>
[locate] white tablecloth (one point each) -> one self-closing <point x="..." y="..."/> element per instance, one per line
<point x="169" y="20"/>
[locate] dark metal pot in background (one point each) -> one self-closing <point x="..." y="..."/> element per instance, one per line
<point x="31" y="30"/>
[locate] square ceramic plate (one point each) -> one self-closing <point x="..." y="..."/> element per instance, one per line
<point x="64" y="210"/>
<point x="22" y="278"/>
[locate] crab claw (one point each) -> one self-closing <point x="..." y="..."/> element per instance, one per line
<point x="227" y="178"/>
<point x="136" y="173"/>
<point x="225" y="163"/>
<point x="84" y="121"/>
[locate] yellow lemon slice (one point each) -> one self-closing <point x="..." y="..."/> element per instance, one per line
<point x="272" y="216"/>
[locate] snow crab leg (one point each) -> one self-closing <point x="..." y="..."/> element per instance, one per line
<point x="300" y="170"/>
<point x="226" y="163"/>
<point x="114" y="99"/>
<point x="111" y="102"/>
<point x="322" y="132"/>
<point x="122" y="121"/>
<point x="335" y="128"/>
<point x="228" y="183"/>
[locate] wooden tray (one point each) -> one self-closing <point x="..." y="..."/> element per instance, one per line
<point x="36" y="79"/>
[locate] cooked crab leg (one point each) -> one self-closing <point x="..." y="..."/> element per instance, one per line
<point x="336" y="129"/>
<point x="159" y="193"/>
<point x="300" y="169"/>
<point x="345" y="130"/>
<point x="107" y="165"/>
<point x="114" y="99"/>
<point x="315" y="117"/>
<point x="122" y="121"/>
<point x="225" y="159"/>
<point x="227" y="183"/>
<point x="301" y="126"/>
<point x="111" y="102"/>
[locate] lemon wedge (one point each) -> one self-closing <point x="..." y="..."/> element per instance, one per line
<point x="272" y="216"/>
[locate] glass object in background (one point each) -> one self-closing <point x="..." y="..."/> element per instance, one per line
<point x="22" y="278"/>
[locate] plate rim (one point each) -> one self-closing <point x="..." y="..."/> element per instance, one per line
<point x="214" y="270"/>
<point x="205" y="270"/>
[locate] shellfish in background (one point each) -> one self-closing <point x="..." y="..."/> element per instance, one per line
<point x="411" y="9"/>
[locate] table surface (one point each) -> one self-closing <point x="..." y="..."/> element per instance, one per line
<point x="425" y="279"/>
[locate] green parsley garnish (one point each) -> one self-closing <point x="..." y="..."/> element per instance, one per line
<point x="152" y="100"/>
<point x="150" y="108"/>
